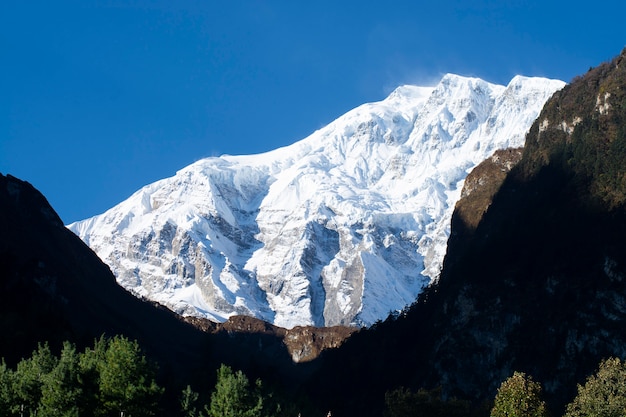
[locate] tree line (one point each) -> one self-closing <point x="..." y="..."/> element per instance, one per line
<point x="114" y="378"/>
<point x="602" y="395"/>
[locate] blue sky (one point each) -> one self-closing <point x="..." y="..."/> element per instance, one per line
<point x="99" y="98"/>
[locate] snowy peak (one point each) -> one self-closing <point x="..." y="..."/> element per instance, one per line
<point x="407" y="96"/>
<point x="342" y="227"/>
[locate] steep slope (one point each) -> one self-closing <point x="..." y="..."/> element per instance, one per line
<point x="342" y="227"/>
<point x="553" y="242"/>
<point x="537" y="284"/>
<point x="482" y="184"/>
<point x="54" y="288"/>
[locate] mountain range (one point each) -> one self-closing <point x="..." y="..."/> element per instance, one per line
<point x="341" y="228"/>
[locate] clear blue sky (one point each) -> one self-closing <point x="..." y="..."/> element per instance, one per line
<point x="99" y="98"/>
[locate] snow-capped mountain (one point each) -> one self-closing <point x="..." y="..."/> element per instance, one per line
<point x="342" y="227"/>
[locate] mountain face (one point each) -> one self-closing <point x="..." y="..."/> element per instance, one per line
<point x="342" y="227"/>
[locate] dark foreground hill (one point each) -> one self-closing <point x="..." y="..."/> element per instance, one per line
<point x="539" y="284"/>
<point x="54" y="288"/>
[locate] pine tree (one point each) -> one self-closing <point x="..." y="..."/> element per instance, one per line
<point x="6" y="389"/>
<point x="29" y="378"/>
<point x="91" y="361"/>
<point x="188" y="402"/>
<point x="61" y="391"/>
<point x="233" y="396"/>
<point x="127" y="381"/>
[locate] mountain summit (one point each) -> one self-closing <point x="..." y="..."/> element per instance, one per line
<point x="342" y="227"/>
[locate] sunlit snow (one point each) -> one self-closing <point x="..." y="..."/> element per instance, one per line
<point x="342" y="227"/>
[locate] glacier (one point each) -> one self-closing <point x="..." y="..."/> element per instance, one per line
<point x="343" y="227"/>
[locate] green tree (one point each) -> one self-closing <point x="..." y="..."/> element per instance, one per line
<point x="519" y="396"/>
<point x="604" y="394"/>
<point x="188" y="402"/>
<point x="28" y="381"/>
<point x="91" y="361"/>
<point x="127" y="380"/>
<point x="233" y="396"/>
<point x="61" y="391"/>
<point x="6" y="389"/>
<point x="400" y="403"/>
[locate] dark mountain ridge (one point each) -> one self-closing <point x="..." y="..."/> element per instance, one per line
<point x="537" y="283"/>
<point x="54" y="288"/>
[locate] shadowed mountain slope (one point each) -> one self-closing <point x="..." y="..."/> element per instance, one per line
<point x="539" y="285"/>
<point x="536" y="284"/>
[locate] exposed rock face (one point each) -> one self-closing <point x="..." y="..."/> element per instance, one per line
<point x="483" y="183"/>
<point x="304" y="343"/>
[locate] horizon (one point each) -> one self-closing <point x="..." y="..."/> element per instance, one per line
<point x="103" y="98"/>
